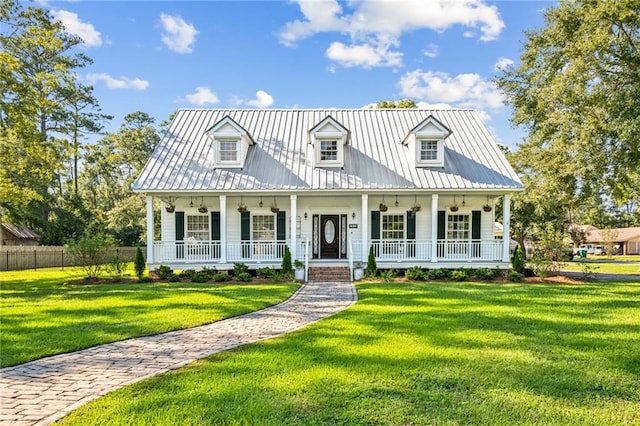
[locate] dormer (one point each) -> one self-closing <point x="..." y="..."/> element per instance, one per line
<point x="328" y="139"/>
<point x="426" y="142"/>
<point x="230" y="142"/>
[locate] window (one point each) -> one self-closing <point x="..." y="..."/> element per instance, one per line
<point x="264" y="228"/>
<point x="458" y="227"/>
<point x="228" y="150"/>
<point x="328" y="150"/>
<point x="428" y="150"/>
<point x="198" y="228"/>
<point x="392" y="227"/>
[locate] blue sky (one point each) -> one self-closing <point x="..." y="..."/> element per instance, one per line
<point x="159" y="56"/>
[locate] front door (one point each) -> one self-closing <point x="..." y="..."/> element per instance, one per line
<point x="330" y="236"/>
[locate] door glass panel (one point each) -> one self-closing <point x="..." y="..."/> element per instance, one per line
<point x="329" y="231"/>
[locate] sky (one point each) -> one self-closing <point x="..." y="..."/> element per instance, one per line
<point x="159" y="56"/>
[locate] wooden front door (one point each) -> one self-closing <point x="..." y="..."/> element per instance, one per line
<point x="330" y="236"/>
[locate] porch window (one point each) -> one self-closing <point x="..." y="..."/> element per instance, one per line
<point x="458" y="227"/>
<point x="428" y="150"/>
<point x="328" y="150"/>
<point x="228" y="150"/>
<point x="198" y="228"/>
<point x="393" y="227"/>
<point x="264" y="228"/>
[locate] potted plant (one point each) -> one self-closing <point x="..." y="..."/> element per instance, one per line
<point x="486" y="208"/>
<point x="298" y="272"/>
<point x="170" y="208"/>
<point x="383" y="207"/>
<point x="242" y="207"/>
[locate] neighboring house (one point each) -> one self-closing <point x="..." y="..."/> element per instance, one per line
<point x="627" y="240"/>
<point x="419" y="186"/>
<point x="13" y="235"/>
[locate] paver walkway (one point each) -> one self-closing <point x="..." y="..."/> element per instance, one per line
<point x="45" y="390"/>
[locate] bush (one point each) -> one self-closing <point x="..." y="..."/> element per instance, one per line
<point x="164" y="272"/>
<point x="245" y="277"/>
<point x="515" y="277"/>
<point x="286" y="268"/>
<point x="200" y="277"/>
<point x="116" y="266"/>
<point x="139" y="264"/>
<point x="187" y="273"/>
<point x="372" y="267"/>
<point x="144" y="279"/>
<point x="414" y="273"/>
<point x="265" y="272"/>
<point x="459" y="275"/>
<point x="210" y="272"/>
<point x="388" y="275"/>
<point x="517" y="261"/>
<point x="484" y="274"/>
<point x="220" y="277"/>
<point x="437" y="274"/>
<point x="239" y="268"/>
<point x="173" y="278"/>
<point x="91" y="254"/>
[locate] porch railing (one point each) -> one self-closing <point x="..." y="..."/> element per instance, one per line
<point x="447" y="250"/>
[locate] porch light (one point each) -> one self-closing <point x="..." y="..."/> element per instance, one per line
<point x="260" y="203"/>
<point x="353" y="215"/>
<point x="397" y="203"/>
<point x="306" y="215"/>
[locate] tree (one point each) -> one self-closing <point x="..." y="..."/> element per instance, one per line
<point x="402" y="103"/>
<point x="576" y="92"/>
<point x="139" y="264"/>
<point x="91" y="253"/>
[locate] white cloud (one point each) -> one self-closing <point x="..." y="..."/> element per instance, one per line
<point x="118" y="83"/>
<point x="75" y="26"/>
<point x="363" y="55"/>
<point x="202" y="96"/>
<point x="262" y="100"/>
<point x="502" y="64"/>
<point x="463" y="90"/>
<point x="431" y="51"/>
<point x="320" y="16"/>
<point x="178" y="35"/>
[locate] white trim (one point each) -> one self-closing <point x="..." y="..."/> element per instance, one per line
<point x="439" y="161"/>
<point x="364" y="220"/>
<point x="339" y="161"/>
<point x="293" y="217"/>
<point x="150" y="229"/>
<point x="434" y="227"/>
<point x="223" y="228"/>
<point x="506" y="227"/>
<point x="227" y="163"/>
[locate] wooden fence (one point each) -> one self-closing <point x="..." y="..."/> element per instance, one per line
<point x="16" y="258"/>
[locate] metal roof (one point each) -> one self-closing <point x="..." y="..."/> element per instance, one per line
<point x="375" y="157"/>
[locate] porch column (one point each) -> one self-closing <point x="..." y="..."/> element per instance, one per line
<point x="364" y="214"/>
<point x="293" y="238"/>
<point x="223" y="228"/>
<point x="434" y="227"/>
<point x="506" y="225"/>
<point x="150" y="229"/>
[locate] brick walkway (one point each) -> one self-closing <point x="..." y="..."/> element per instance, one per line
<point x="45" y="390"/>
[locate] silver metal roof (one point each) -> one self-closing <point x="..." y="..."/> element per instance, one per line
<point x="374" y="158"/>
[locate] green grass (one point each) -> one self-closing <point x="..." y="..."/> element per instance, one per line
<point x="41" y="317"/>
<point x="604" y="265"/>
<point x="417" y="354"/>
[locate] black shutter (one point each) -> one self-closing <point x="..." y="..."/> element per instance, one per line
<point x="215" y="226"/>
<point x="281" y="226"/>
<point x="245" y="226"/>
<point x="179" y="226"/>
<point x="375" y="225"/>
<point x="442" y="224"/>
<point x="475" y="225"/>
<point x="411" y="225"/>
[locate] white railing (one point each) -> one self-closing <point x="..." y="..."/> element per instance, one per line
<point x="420" y="250"/>
<point x="186" y="251"/>
<point x="257" y="251"/>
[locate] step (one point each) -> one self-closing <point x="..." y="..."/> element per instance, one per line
<point x="333" y="273"/>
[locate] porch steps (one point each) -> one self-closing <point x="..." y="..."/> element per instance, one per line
<point x="329" y="273"/>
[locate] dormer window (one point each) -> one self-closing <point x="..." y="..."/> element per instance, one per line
<point x="328" y="139"/>
<point x="231" y="143"/>
<point x="427" y="141"/>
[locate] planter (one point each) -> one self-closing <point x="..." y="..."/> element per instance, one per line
<point x="275" y="209"/>
<point x="486" y="208"/>
<point x="298" y="274"/>
<point x="453" y="208"/>
<point x="415" y="209"/>
<point x="202" y="209"/>
<point x="242" y="209"/>
<point x="358" y="273"/>
<point x="383" y="207"/>
<point x="170" y="209"/>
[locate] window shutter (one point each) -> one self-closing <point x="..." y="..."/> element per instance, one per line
<point x="442" y="224"/>
<point x="179" y="226"/>
<point x="411" y="225"/>
<point x="245" y="226"/>
<point x="215" y="226"/>
<point x="375" y="225"/>
<point x="281" y="226"/>
<point x="475" y="225"/>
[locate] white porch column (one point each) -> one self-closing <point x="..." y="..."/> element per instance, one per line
<point x="364" y="220"/>
<point x="293" y="238"/>
<point x="150" y="230"/>
<point x="506" y="227"/>
<point x="223" y="228"/>
<point x="434" y="227"/>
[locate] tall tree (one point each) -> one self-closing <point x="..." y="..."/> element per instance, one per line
<point x="576" y="92"/>
<point x="402" y="103"/>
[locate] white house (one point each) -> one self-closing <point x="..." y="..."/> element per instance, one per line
<point x="419" y="186"/>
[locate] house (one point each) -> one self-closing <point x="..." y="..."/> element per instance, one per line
<point x="625" y="240"/>
<point x="13" y="235"/>
<point x="418" y="186"/>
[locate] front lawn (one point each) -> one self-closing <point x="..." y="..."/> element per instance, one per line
<point x="42" y="317"/>
<point x="417" y="354"/>
<point x="604" y="265"/>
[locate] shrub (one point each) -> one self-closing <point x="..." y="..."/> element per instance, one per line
<point x="239" y="268"/>
<point x="515" y="277"/>
<point x="286" y="268"/>
<point x="245" y="277"/>
<point x="517" y="261"/>
<point x="139" y="264"/>
<point x="91" y="253"/>
<point x="164" y="272"/>
<point x="220" y="277"/>
<point x="265" y="272"/>
<point x="372" y="267"/>
<point x="437" y="274"/>
<point x="116" y="266"/>
<point x="187" y="273"/>
<point x="414" y="273"/>
<point x="543" y="267"/>
<point x="200" y="277"/>
<point x="484" y="274"/>
<point x="298" y="264"/>
<point x="173" y="278"/>
<point x="459" y="275"/>
<point x="143" y="279"/>
<point x="388" y="275"/>
<point x="210" y="272"/>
